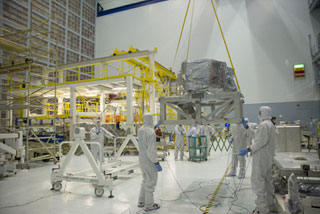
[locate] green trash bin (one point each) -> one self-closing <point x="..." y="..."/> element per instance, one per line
<point x="198" y="148"/>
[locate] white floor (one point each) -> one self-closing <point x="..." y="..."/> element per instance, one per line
<point x="183" y="187"/>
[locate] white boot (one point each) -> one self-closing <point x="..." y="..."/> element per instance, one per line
<point x="232" y="172"/>
<point x="242" y="173"/>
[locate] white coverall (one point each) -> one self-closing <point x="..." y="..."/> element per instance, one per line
<point x="180" y="131"/>
<point x="97" y="134"/>
<point x="263" y="149"/>
<point x="208" y="131"/>
<point x="250" y="133"/>
<point x="204" y="130"/>
<point x="239" y="142"/>
<point x="192" y="130"/>
<point x="147" y="159"/>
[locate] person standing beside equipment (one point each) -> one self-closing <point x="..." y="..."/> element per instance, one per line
<point x="158" y="134"/>
<point x="249" y="132"/>
<point x="180" y="131"/>
<point x="238" y="132"/>
<point x="208" y="132"/>
<point x="149" y="164"/>
<point x="97" y="134"/>
<point x="263" y="150"/>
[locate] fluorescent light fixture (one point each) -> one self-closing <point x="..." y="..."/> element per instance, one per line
<point x="91" y="95"/>
<point x="48" y="95"/>
<point x="93" y="91"/>
<point x="119" y="89"/>
<point x="298" y="66"/>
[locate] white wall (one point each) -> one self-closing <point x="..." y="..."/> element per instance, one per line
<point x="265" y="38"/>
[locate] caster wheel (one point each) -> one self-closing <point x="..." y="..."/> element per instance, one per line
<point x="99" y="191"/>
<point x="162" y="159"/>
<point x="57" y="186"/>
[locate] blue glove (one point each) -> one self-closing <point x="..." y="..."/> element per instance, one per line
<point x="244" y="123"/>
<point x="159" y="168"/>
<point x="158" y="124"/>
<point x="115" y="137"/>
<point x="243" y="152"/>
<point x="231" y="141"/>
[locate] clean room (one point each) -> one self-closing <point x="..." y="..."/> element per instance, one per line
<point x="160" y="106"/>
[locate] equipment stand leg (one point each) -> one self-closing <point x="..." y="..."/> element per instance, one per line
<point x="110" y="196"/>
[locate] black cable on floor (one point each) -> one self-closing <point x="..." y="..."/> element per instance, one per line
<point x="29" y="202"/>
<point x="182" y="190"/>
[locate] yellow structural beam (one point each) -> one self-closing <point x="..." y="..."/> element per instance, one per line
<point x="160" y="69"/>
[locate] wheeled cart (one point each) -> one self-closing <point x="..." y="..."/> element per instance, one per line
<point x="100" y="176"/>
<point x="198" y="148"/>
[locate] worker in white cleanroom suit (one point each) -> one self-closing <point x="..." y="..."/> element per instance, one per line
<point x="180" y="132"/>
<point x="208" y="132"/>
<point x="238" y="133"/>
<point x="149" y="164"/>
<point x="249" y="132"/>
<point x="97" y="134"/>
<point x="263" y="149"/>
<point x="193" y="130"/>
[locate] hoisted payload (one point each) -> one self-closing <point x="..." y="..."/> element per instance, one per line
<point x="206" y="75"/>
<point x="205" y="83"/>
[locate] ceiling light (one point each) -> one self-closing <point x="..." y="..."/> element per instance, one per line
<point x="91" y="95"/>
<point x="93" y="91"/>
<point x="119" y="89"/>
<point x="48" y="95"/>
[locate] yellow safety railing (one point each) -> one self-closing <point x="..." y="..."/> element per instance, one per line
<point x="138" y="68"/>
<point x="63" y="109"/>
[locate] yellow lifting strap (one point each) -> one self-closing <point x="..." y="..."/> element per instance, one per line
<point x="225" y="44"/>
<point x="184" y="21"/>
<point x="194" y="2"/>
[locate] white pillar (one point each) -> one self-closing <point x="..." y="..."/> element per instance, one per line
<point x="129" y="84"/>
<point x="152" y="89"/>
<point x="60" y="105"/>
<point x="9" y="115"/>
<point x="25" y="110"/>
<point x="72" y="114"/>
<point x="102" y="106"/>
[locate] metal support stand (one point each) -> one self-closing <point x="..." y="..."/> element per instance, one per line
<point x="189" y="107"/>
<point x="100" y="176"/>
<point x="125" y="143"/>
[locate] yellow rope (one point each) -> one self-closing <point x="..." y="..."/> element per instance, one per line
<point x="206" y="210"/>
<point x="225" y="43"/>
<point x="194" y="2"/>
<point x="184" y="21"/>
